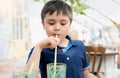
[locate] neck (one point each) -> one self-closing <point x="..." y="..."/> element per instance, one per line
<point x="64" y="42"/>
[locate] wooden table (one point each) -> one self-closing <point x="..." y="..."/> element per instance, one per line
<point x="7" y="66"/>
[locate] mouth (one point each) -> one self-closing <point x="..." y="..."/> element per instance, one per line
<point x="56" y="35"/>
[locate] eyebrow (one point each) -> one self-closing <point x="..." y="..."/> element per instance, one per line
<point x="54" y="20"/>
<point x="51" y="20"/>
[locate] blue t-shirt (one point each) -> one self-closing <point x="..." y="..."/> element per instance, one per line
<point x="74" y="57"/>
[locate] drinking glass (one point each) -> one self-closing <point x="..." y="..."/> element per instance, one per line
<point x="60" y="70"/>
<point x="23" y="73"/>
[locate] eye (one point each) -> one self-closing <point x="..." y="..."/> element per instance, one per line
<point x="63" y="24"/>
<point x="51" y="23"/>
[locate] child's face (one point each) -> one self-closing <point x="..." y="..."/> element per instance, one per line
<point x="56" y="25"/>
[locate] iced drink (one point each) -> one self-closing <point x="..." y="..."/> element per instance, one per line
<point x="60" y="70"/>
<point x="23" y="73"/>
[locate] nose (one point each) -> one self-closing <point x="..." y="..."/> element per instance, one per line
<point x="57" y="27"/>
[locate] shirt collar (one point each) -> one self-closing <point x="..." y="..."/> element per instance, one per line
<point x="71" y="40"/>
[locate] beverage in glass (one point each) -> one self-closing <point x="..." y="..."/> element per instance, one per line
<point x="60" y="70"/>
<point x="23" y="73"/>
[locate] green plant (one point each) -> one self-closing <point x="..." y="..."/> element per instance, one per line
<point x="77" y="5"/>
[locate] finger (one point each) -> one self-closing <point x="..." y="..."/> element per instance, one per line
<point x="57" y="40"/>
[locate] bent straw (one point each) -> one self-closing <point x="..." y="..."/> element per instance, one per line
<point x="31" y="67"/>
<point x="55" y="59"/>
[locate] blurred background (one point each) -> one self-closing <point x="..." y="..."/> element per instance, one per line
<point x="97" y="23"/>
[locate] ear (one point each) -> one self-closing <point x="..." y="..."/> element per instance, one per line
<point x="43" y="24"/>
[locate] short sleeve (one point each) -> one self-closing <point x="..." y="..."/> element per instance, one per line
<point x="85" y="60"/>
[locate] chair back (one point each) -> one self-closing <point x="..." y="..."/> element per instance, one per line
<point x="95" y="51"/>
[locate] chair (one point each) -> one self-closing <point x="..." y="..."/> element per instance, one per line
<point x="95" y="52"/>
<point x="117" y="46"/>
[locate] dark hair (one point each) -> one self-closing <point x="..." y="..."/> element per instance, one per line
<point x="59" y="6"/>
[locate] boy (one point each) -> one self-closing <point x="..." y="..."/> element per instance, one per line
<point x="56" y="18"/>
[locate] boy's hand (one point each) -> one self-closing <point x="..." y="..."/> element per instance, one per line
<point x="50" y="42"/>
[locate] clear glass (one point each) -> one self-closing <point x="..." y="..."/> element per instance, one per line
<point x="23" y="73"/>
<point x="60" y="70"/>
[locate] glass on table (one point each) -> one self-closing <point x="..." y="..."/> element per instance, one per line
<point x="60" y="70"/>
<point x="22" y="72"/>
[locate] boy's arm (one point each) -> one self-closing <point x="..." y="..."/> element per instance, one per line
<point x="87" y="74"/>
<point x="50" y="42"/>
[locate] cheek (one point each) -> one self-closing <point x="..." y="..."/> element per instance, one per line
<point x="48" y="31"/>
<point x="65" y="31"/>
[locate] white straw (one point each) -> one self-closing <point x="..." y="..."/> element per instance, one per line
<point x="55" y="59"/>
